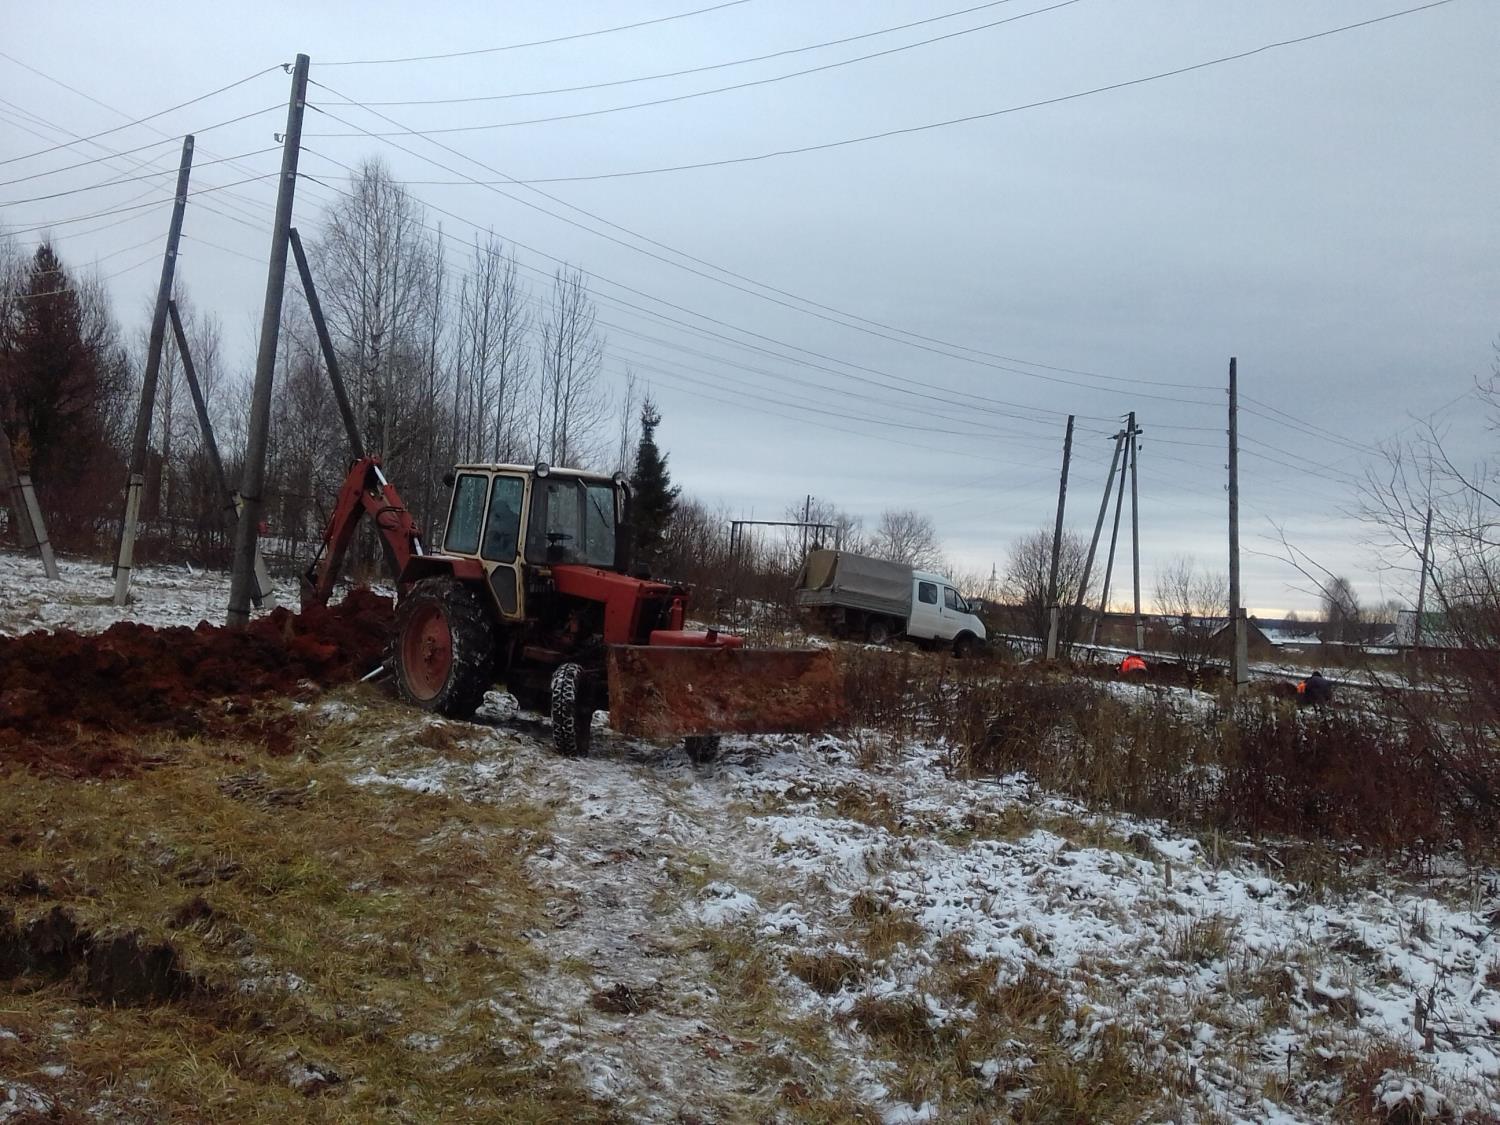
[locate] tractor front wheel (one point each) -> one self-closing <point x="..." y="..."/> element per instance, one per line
<point x="445" y="647"/>
<point x="572" y="711"/>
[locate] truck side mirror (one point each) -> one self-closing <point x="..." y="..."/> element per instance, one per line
<point x="448" y="479"/>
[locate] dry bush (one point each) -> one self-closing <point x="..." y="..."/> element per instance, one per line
<point x="1404" y="773"/>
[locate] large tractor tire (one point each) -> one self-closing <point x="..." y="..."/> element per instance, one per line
<point x="572" y="711"/>
<point x="446" y="642"/>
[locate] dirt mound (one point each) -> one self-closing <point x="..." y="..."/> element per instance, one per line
<point x="77" y="703"/>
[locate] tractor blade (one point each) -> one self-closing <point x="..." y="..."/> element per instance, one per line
<point x="659" y="691"/>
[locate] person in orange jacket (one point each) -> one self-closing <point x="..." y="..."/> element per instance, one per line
<point x="1132" y="663"/>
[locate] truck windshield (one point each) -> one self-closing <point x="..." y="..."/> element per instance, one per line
<point x="572" y="521"/>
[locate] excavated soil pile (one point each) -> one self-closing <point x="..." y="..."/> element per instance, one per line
<point x="78" y="704"/>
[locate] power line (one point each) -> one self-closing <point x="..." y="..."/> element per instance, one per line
<point x="747" y="85"/>
<point x="132" y="179"/>
<point x="981" y="116"/>
<point x="537" y="42"/>
<point x="707" y="276"/>
<point x="695" y="69"/>
<point x="135" y="207"/>
<point x="128" y="124"/>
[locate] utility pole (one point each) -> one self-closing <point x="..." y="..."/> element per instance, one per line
<point x="139" y="447"/>
<point x="1109" y="485"/>
<point x="24" y="508"/>
<point x="1062" y="499"/>
<point x="1109" y="565"/>
<point x="242" y="576"/>
<point x="1135" y="531"/>
<point x="1416" y="632"/>
<point x="806" y="515"/>
<point x="1239" y="660"/>
<point x="262" y="593"/>
<point x="325" y="341"/>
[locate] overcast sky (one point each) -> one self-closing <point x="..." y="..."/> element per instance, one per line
<point x="1326" y="211"/>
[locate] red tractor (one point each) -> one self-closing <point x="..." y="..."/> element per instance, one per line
<point x="533" y="588"/>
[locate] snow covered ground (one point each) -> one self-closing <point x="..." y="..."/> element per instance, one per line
<point x="1242" y="994"/>
<point x="83" y="597"/>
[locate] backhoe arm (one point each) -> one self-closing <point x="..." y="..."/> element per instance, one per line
<point x="365" y="489"/>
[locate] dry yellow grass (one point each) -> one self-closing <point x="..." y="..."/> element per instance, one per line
<point x="339" y="941"/>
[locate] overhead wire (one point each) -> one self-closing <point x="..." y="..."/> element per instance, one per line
<point x="696" y="69"/>
<point x="968" y="118"/>
<point x="694" y="94"/>
<point x="537" y="42"/>
<point x="733" y="327"/>
<point x="710" y="277"/>
<point x="135" y="179"/>
<point x="135" y="207"/>
<point x="128" y="124"/>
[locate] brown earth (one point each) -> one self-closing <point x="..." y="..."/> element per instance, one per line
<point x="79" y="704"/>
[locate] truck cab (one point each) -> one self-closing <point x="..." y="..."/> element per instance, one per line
<point x="939" y="612"/>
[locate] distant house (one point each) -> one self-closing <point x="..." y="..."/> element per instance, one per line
<point x="1258" y="646"/>
<point x="1437" y="632"/>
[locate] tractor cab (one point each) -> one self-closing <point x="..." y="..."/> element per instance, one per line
<point x="520" y="522"/>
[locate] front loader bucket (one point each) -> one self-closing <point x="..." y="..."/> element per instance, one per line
<point x="660" y="691"/>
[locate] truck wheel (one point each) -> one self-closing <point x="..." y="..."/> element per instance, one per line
<point x="878" y="631"/>
<point x="702" y="748"/>
<point x="572" y="712"/>
<point x="446" y="642"/>
<point x="965" y="645"/>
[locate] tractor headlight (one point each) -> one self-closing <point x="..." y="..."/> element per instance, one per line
<point x="542" y="468"/>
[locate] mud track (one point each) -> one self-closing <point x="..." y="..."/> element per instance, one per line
<point x="80" y="704"/>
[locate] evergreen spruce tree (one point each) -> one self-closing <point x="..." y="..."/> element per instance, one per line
<point x="655" y="497"/>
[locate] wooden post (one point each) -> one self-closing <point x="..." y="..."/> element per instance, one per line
<point x="1135" y="532"/>
<point x="1239" y="662"/>
<point x="1057" y="530"/>
<point x="140" y="445"/>
<point x="21" y="500"/>
<point x="1088" y="564"/>
<point x="325" y="341"/>
<point x="263" y="595"/>
<point x="1109" y="564"/>
<point x="242" y="574"/>
<point x="1416" y="629"/>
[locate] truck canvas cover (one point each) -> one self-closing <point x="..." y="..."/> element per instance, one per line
<point x="838" y="578"/>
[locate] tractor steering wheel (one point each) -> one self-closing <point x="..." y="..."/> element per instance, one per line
<point x="556" y="537"/>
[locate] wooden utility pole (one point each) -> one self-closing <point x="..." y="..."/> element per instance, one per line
<point x="263" y="594"/>
<point x="140" y="445"/>
<point x="1135" y="530"/>
<point x="325" y="341"/>
<point x="246" y="532"/>
<point x="1109" y="564"/>
<point x="21" y="500"/>
<point x="1416" y="630"/>
<point x="1088" y="565"/>
<point x="1239" y="661"/>
<point x="1053" y="614"/>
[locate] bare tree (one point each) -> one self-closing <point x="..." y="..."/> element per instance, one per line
<point x="1198" y="601"/>
<point x="569" y="407"/>
<point x="494" y="356"/>
<point x="905" y="535"/>
<point x="627" y="414"/>
<point x="1028" y="571"/>
<point x="1341" y="610"/>
<point x="376" y="278"/>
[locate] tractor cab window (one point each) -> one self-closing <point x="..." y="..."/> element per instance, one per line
<point x="503" y="529"/>
<point x="466" y="515"/>
<point x="599" y="524"/>
<point x="571" y="522"/>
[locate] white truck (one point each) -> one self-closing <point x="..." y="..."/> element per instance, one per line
<point x="856" y="596"/>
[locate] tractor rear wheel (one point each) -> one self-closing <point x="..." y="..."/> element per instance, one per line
<point x="572" y="711"/>
<point x="445" y="647"/>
